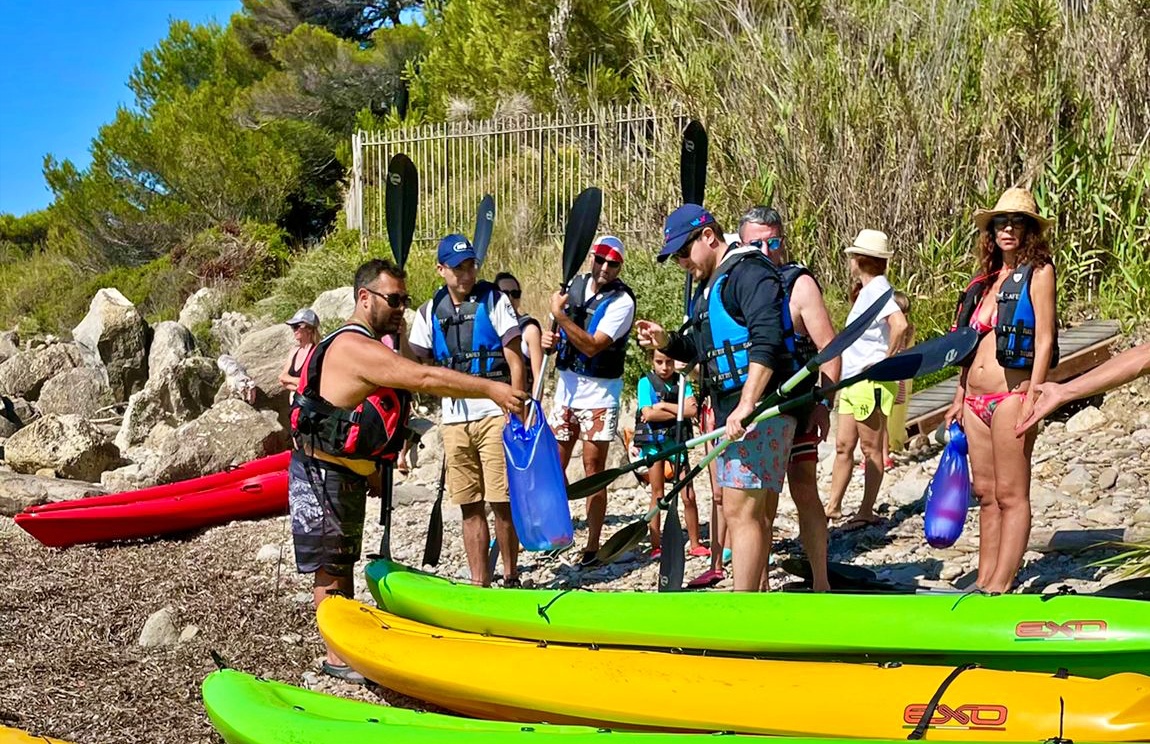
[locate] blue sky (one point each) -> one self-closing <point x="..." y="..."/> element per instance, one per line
<point x="64" y="69"/>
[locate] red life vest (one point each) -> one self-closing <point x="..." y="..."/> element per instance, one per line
<point x="374" y="430"/>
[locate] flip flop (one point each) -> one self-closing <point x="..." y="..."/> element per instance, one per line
<point x="855" y="524"/>
<point x="700" y="552"/>
<point x="707" y="579"/>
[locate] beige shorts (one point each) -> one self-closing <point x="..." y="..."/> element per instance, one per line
<point x="476" y="468"/>
<point x="585" y="424"/>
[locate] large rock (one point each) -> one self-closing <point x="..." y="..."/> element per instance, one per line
<point x="18" y="492"/>
<point x="229" y="329"/>
<point x="203" y="306"/>
<point x="1087" y="419"/>
<point x="114" y="333"/>
<point x="9" y="344"/>
<point x="67" y="444"/>
<point x="335" y="304"/>
<point x="172" y="343"/>
<point x="82" y="391"/>
<point x="174" y="397"/>
<point x="24" y="374"/>
<point x="262" y="355"/>
<point x="229" y="433"/>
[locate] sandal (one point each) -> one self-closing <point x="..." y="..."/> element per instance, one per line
<point x="511" y="582"/>
<point x="701" y="551"/>
<point x="656" y="554"/>
<point x="707" y="579"/>
<point x="344" y="672"/>
<point x="859" y="523"/>
<point x="589" y="560"/>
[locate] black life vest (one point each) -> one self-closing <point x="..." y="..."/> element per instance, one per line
<point x="1015" y="329"/>
<point x="660" y="433"/>
<point x="725" y="342"/>
<point x="587" y="312"/>
<point x="464" y="338"/>
<point x="374" y="430"/>
<point x="801" y="349"/>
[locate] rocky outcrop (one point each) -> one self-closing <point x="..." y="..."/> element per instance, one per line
<point x="172" y="343"/>
<point x="229" y="329"/>
<point x="82" y="391"/>
<point x="229" y="433"/>
<point x="18" y="492"/>
<point x="9" y="344"/>
<point x="174" y="397"/>
<point x="115" y="334"/>
<point x="203" y="306"/>
<point x="24" y="374"/>
<point x="335" y="305"/>
<point x="66" y="444"/>
<point x="262" y="355"/>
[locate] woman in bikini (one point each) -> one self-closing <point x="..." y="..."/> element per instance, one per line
<point x="305" y="327"/>
<point x="1012" y="305"/>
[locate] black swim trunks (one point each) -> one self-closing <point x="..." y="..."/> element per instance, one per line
<point x="327" y="504"/>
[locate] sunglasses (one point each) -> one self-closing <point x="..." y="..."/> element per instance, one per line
<point x="771" y="244"/>
<point x="394" y="300"/>
<point x="1002" y="221"/>
<point x="514" y="294"/>
<point x="610" y="264"/>
<point x="685" y="251"/>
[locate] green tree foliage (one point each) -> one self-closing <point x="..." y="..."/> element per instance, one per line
<point x="485" y="50"/>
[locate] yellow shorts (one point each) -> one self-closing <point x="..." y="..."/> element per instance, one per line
<point x="862" y="398"/>
<point x="476" y="468"/>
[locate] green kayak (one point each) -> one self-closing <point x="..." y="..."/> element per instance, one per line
<point x="251" y="710"/>
<point x="1086" y="635"/>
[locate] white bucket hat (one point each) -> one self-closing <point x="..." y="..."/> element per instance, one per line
<point x="870" y="243"/>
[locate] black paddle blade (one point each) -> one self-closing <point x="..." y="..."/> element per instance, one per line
<point x="401" y="200"/>
<point x="593" y="484"/>
<point x="621" y="542"/>
<point x="929" y="356"/>
<point x="672" y="563"/>
<point x="484" y="224"/>
<point x="693" y="163"/>
<point x="387" y="490"/>
<point x="433" y="547"/>
<point x="582" y="222"/>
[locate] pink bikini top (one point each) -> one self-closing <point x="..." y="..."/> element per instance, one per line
<point x="978" y="325"/>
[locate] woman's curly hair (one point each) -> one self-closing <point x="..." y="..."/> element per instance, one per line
<point x="1033" y="249"/>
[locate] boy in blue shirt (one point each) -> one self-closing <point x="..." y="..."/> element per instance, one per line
<point x="655" y="429"/>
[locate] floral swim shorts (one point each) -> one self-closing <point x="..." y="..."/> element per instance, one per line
<point x="758" y="460"/>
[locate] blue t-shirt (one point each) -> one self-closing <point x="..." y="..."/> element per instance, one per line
<point x="648" y="397"/>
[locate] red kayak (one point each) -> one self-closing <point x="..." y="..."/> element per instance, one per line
<point x="271" y="464"/>
<point x="250" y="498"/>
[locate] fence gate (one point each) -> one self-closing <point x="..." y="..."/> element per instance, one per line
<point x="533" y="165"/>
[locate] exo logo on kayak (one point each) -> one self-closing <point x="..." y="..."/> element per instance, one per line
<point x="981" y="717"/>
<point x="1074" y="630"/>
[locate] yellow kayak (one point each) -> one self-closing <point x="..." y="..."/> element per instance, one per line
<point x="513" y="680"/>
<point x="16" y="736"/>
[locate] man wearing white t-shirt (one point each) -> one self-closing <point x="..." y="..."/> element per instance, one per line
<point x="470" y="327"/>
<point x="594" y="319"/>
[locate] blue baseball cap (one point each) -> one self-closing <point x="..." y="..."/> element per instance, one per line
<point x="454" y="249"/>
<point x="679" y="226"/>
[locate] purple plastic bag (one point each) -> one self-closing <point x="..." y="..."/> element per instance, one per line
<point x="948" y="495"/>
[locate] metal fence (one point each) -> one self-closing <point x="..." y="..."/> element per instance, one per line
<point x="533" y="165"/>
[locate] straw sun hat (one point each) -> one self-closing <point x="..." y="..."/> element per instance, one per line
<point x="1013" y="201"/>
<point x="870" y="243"/>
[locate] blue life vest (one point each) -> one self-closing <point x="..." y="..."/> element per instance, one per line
<point x="464" y="338"/>
<point x="587" y="312"/>
<point x="1016" y="327"/>
<point x="725" y="346"/>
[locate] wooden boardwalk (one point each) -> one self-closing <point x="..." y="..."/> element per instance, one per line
<point x="1083" y="348"/>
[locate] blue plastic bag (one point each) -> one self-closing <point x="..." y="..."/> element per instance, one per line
<point x="948" y="495"/>
<point x="538" y="487"/>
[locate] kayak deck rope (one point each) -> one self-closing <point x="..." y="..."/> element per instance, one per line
<point x="542" y="609"/>
<point x="1061" y="720"/>
<point x="928" y="714"/>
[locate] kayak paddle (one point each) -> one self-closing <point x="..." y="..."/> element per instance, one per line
<point x="484" y="224"/>
<point x="401" y="200"/>
<point x="925" y="358"/>
<point x="692" y="184"/>
<point x="582" y="222"/>
<point x="837" y="346"/>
